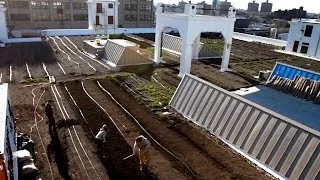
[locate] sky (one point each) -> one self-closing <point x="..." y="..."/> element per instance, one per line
<point x="311" y="6"/>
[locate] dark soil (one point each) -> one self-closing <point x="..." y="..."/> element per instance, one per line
<point x="218" y="163"/>
<point x="116" y="148"/>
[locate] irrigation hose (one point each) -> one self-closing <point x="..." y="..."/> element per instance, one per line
<point x="168" y="151"/>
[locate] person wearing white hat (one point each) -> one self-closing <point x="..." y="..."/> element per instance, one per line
<point x="142" y="146"/>
<point x="101" y="137"/>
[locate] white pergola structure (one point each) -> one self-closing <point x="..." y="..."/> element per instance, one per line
<point x="190" y="26"/>
<point x="3" y="24"/>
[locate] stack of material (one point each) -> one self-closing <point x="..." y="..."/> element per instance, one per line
<point x="299" y="87"/>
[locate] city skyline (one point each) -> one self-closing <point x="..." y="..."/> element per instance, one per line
<point x="309" y="5"/>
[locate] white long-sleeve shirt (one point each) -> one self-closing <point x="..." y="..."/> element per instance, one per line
<point x="141" y="146"/>
<point x="101" y="135"/>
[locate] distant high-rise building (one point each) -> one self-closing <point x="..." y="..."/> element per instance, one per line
<point x="290" y="14"/>
<point x="224" y="7"/>
<point x="253" y="7"/>
<point x="215" y="4"/>
<point x="266" y="7"/>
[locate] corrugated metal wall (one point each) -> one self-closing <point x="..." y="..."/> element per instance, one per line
<point x="174" y="43"/>
<point x="288" y="71"/>
<point x="123" y="56"/>
<point x="113" y="52"/>
<point x="285" y="146"/>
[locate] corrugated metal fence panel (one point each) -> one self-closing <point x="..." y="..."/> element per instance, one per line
<point x="173" y="43"/>
<point x="288" y="71"/>
<point x="113" y="52"/>
<point x="285" y="146"/>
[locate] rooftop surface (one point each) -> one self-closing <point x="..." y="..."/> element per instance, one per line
<point x="94" y="44"/>
<point x="313" y="21"/>
<point x="302" y="111"/>
<point x="123" y="42"/>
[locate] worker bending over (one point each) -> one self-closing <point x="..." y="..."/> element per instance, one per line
<point x="142" y="146"/>
<point x="101" y="138"/>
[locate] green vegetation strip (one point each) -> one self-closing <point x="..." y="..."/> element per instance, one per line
<point x="158" y="95"/>
<point x="35" y="80"/>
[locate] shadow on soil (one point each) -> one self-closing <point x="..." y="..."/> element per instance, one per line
<point x="55" y="149"/>
<point x="116" y="147"/>
<point x="32" y="53"/>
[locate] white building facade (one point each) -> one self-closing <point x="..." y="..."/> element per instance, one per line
<point x="304" y="37"/>
<point x="103" y="15"/>
<point x="8" y="144"/>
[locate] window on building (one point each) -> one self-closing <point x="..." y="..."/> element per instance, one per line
<point x="308" y="31"/>
<point x="18" y="4"/>
<point x="99" y="7"/>
<point x="295" y="46"/>
<point x="146" y="7"/>
<point x="110" y="5"/>
<point x="304" y="49"/>
<point x="57" y="5"/>
<point x="20" y="17"/>
<point x="97" y="20"/>
<point x="130" y="17"/>
<point x="41" y="16"/>
<point x="110" y="19"/>
<point x="79" y="5"/>
<point x="80" y="17"/>
<point x="130" y="7"/>
<point x="39" y="5"/>
<point x="144" y="17"/>
<point x="62" y="17"/>
<point x="59" y="11"/>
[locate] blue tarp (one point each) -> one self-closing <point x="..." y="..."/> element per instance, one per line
<point x="290" y="72"/>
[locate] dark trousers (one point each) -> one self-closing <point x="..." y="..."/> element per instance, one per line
<point x="99" y="146"/>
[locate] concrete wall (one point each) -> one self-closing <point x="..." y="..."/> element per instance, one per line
<point x="296" y="33"/>
<point x="282" y="146"/>
<point x="264" y="40"/>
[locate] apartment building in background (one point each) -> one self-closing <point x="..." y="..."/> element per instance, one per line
<point x="136" y="13"/>
<point x="72" y="14"/>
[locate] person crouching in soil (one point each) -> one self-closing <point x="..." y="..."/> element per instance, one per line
<point x="142" y="146"/>
<point x="101" y="138"/>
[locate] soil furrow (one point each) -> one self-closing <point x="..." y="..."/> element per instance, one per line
<point x="116" y="148"/>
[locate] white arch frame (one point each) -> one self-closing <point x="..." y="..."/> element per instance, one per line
<point x="190" y="27"/>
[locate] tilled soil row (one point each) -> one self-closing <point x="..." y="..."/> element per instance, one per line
<point x="69" y="67"/>
<point x="100" y="69"/>
<point x="216" y="164"/>
<point x="83" y="151"/>
<point x="116" y="147"/>
<point x="162" y="164"/>
<point x="22" y="107"/>
<point x="84" y="69"/>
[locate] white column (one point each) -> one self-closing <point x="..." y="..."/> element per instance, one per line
<point x="196" y="47"/>
<point x="116" y="14"/>
<point x="226" y="56"/>
<point x="186" y="57"/>
<point x="3" y="24"/>
<point x="228" y="41"/>
<point x="90" y="15"/>
<point x="157" y="44"/>
<point x="158" y="38"/>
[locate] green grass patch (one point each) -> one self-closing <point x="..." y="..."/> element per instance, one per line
<point x="118" y="75"/>
<point x="35" y="80"/>
<point x="165" y="54"/>
<point x="216" y="45"/>
<point x="158" y="95"/>
<point x="115" y="36"/>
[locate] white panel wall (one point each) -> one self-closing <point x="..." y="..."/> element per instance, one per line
<point x="284" y="146"/>
<point x="296" y="33"/>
